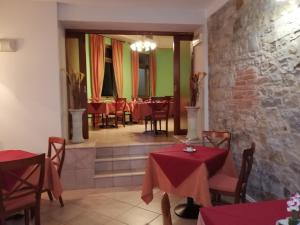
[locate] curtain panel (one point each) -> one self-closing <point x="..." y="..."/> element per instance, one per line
<point x="117" y="58"/>
<point x="135" y="73"/>
<point x="98" y="64"/>
<point x="152" y="68"/>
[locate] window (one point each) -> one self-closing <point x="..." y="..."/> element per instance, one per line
<point x="109" y="86"/>
<point x="144" y="76"/>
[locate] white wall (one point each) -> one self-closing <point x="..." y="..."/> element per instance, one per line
<point x="131" y="12"/>
<point x="30" y="106"/>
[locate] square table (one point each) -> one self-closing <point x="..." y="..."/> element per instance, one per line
<point x="260" y="213"/>
<point x="51" y="178"/>
<point x="185" y="174"/>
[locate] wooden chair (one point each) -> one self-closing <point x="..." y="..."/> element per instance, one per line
<point x="28" y="176"/>
<point x="119" y="113"/>
<point x="218" y="139"/>
<point x="165" y="210"/>
<point x="56" y="152"/>
<point x="221" y="184"/>
<point x="92" y="109"/>
<point x="160" y="107"/>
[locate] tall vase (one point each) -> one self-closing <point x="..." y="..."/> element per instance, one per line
<point x="77" y="125"/>
<point x="192" y="120"/>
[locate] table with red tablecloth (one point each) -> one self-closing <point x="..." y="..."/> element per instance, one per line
<point x="185" y="174"/>
<point x="51" y="179"/>
<point x="107" y="108"/>
<point x="143" y="109"/>
<point x="260" y="213"/>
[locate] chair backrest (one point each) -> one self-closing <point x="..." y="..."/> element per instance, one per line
<point x="28" y="177"/>
<point x="218" y="139"/>
<point x="160" y="107"/>
<point x="56" y="151"/>
<point x="247" y="162"/>
<point x="165" y="210"/>
<point x="120" y="104"/>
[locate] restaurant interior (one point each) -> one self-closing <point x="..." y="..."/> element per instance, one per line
<point x="150" y="112"/>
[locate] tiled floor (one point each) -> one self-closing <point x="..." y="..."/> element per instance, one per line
<point x="110" y="206"/>
<point x="133" y="134"/>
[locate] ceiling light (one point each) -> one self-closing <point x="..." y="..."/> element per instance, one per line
<point x="146" y="46"/>
<point x="7" y="45"/>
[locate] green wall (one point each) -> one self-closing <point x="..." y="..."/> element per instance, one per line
<point x="164" y="80"/>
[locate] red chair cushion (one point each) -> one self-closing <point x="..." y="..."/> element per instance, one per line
<point x="222" y="182"/>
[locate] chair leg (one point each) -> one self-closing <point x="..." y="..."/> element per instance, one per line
<point x="160" y="125"/>
<point x="167" y="128"/>
<point x="50" y="195"/>
<point x="26" y="213"/>
<point x="61" y="201"/>
<point x="37" y="219"/>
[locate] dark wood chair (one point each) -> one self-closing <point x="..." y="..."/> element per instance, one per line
<point x="92" y="109"/>
<point x="218" y="139"/>
<point x="165" y="210"/>
<point x="222" y="184"/>
<point x="56" y="152"/>
<point x="28" y="177"/>
<point x="160" y="107"/>
<point x="119" y="113"/>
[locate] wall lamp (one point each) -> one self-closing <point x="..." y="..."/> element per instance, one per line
<point x="8" y="45"/>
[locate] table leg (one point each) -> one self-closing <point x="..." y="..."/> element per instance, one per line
<point x="189" y="210"/>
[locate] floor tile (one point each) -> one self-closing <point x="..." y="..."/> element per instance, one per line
<point x="88" y="218"/>
<point x="138" y="216"/>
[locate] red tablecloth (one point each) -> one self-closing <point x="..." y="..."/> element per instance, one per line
<point x="9" y="155"/>
<point x="51" y="180"/>
<point x="106" y="107"/>
<point x="174" y="157"/>
<point x="166" y="166"/>
<point x="260" y="213"/>
<point x="143" y="109"/>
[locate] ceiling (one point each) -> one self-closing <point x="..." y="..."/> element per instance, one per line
<point x="161" y="41"/>
<point x="199" y="4"/>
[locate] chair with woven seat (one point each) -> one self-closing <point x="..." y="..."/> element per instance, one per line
<point x="25" y="178"/>
<point x="56" y="152"/>
<point x="165" y="210"/>
<point x="222" y="184"/>
<point x="119" y="112"/>
<point x="217" y="139"/>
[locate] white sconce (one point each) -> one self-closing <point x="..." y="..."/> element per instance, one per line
<point x="8" y="45"/>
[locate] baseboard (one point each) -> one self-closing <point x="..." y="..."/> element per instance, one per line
<point x="250" y="199"/>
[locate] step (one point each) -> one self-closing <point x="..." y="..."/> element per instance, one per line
<point x="119" y="178"/>
<point x="130" y="150"/>
<point x="120" y="163"/>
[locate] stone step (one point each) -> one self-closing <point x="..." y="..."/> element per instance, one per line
<point x="120" y="163"/>
<point x="130" y="150"/>
<point x="119" y="178"/>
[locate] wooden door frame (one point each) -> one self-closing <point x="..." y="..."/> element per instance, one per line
<point x="83" y="96"/>
<point x="177" y="37"/>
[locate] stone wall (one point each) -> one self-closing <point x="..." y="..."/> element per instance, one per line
<point x="254" y="88"/>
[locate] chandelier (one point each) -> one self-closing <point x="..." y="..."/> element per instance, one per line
<point x="141" y="46"/>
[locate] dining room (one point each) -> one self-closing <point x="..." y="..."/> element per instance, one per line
<point x="237" y="163"/>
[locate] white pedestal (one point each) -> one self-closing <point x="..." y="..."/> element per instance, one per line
<point x="77" y="125"/>
<point x="192" y="120"/>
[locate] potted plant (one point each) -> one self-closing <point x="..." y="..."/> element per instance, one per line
<point x="192" y="110"/>
<point x="74" y="80"/>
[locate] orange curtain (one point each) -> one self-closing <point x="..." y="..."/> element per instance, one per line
<point x="152" y="66"/>
<point x="117" y="58"/>
<point x="135" y="73"/>
<point x="98" y="64"/>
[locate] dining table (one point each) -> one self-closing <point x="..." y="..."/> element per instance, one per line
<point x="142" y="109"/>
<point x="257" y="213"/>
<point x="174" y="170"/>
<point x="51" y="178"/>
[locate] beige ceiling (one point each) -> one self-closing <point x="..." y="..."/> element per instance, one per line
<point x="161" y="41"/>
